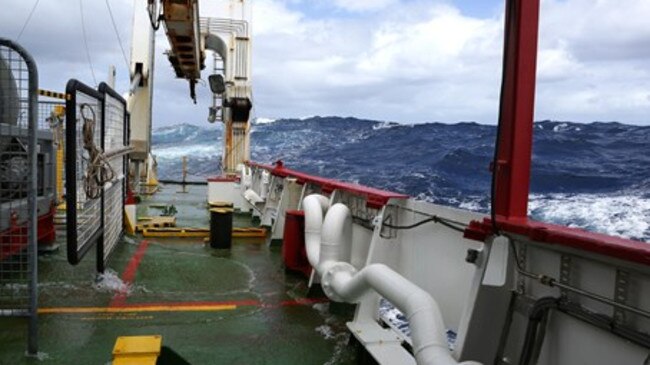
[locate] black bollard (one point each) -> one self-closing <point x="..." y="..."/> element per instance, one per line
<point x="221" y="228"/>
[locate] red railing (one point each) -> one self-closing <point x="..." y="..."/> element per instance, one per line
<point x="375" y="198"/>
<point x="512" y="163"/>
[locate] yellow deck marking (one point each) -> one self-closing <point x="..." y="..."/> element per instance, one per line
<point x="135" y="309"/>
<point x="180" y="232"/>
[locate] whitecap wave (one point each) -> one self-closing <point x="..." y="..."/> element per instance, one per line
<point x="261" y="120"/>
<point x="385" y="125"/>
<point x="177" y="152"/>
<point x="622" y="215"/>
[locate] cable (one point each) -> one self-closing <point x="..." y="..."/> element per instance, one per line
<point x="29" y="17"/>
<point x="435" y="219"/>
<point x="510" y="9"/>
<point x="83" y="30"/>
<point x="117" y="33"/>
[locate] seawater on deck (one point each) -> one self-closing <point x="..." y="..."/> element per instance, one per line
<point x="210" y="306"/>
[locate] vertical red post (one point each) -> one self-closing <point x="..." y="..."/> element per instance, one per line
<point x="517" y="110"/>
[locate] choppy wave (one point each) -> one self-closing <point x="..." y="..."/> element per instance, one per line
<point x="619" y="215"/>
<point x="595" y="176"/>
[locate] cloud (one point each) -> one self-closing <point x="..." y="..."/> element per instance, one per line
<point x="398" y="60"/>
<point x="424" y="61"/>
<point x="364" y="5"/>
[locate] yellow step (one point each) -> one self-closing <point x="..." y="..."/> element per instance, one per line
<point x="137" y="350"/>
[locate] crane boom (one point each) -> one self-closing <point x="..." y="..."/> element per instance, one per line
<point x="190" y="36"/>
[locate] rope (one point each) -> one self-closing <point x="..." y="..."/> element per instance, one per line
<point x="99" y="171"/>
<point x="56" y="125"/>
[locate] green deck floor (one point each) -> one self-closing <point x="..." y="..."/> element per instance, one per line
<point x="271" y="323"/>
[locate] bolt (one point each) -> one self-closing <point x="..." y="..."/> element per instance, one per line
<point x="472" y="256"/>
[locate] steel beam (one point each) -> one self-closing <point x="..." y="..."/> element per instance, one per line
<point x="514" y="146"/>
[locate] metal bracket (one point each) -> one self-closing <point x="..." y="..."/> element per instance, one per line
<point x="621" y="294"/>
<point x="521" y="258"/>
<point x="565" y="275"/>
<point x="389" y="215"/>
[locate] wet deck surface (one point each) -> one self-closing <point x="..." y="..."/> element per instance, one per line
<point x="210" y="306"/>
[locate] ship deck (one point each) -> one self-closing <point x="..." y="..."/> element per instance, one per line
<point x="235" y="306"/>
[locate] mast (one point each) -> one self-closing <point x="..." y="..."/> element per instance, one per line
<point x="140" y="99"/>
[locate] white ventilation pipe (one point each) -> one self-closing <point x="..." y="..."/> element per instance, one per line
<point x="251" y="196"/>
<point x="336" y="238"/>
<point x="264" y="188"/>
<point x="246" y="176"/>
<point x="341" y="281"/>
<point x="428" y="329"/>
<point x="315" y="206"/>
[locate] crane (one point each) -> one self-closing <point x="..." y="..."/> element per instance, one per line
<point x="190" y="36"/>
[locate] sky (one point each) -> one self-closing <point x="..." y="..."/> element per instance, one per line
<point x="408" y="61"/>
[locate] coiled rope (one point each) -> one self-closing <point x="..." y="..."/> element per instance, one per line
<point x="98" y="170"/>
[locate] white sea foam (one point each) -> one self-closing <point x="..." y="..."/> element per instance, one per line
<point x="40" y="356"/>
<point x="384" y="125"/>
<point x="261" y="120"/>
<point x="110" y="282"/>
<point x="471" y="204"/>
<point x="322" y="308"/>
<point x="560" y="127"/>
<point x="177" y="152"/>
<point x="624" y="214"/>
<point x="326" y="331"/>
<point x="620" y="215"/>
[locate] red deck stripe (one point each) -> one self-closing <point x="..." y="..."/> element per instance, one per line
<point x="238" y="303"/>
<point x="128" y="276"/>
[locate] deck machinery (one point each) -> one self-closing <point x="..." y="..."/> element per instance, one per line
<point x="190" y="36"/>
<point x="14" y="166"/>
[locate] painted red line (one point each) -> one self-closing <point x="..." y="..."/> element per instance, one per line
<point x="128" y="276"/>
<point x="303" y="301"/>
<point x="242" y="303"/>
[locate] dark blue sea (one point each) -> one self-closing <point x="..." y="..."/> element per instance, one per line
<point x="595" y="176"/>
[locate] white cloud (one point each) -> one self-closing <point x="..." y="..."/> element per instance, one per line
<point x="409" y="61"/>
<point x="364" y="5"/>
<point x="429" y="61"/>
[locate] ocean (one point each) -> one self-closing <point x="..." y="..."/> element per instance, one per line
<point x="594" y="176"/>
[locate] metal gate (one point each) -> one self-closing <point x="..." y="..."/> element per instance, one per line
<point x="19" y="185"/>
<point x="96" y="160"/>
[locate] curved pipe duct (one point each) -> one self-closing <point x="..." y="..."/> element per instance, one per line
<point x="315" y="206"/>
<point x="341" y="281"/>
<point x="264" y="187"/>
<point x="428" y="329"/>
<point x="336" y="237"/>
